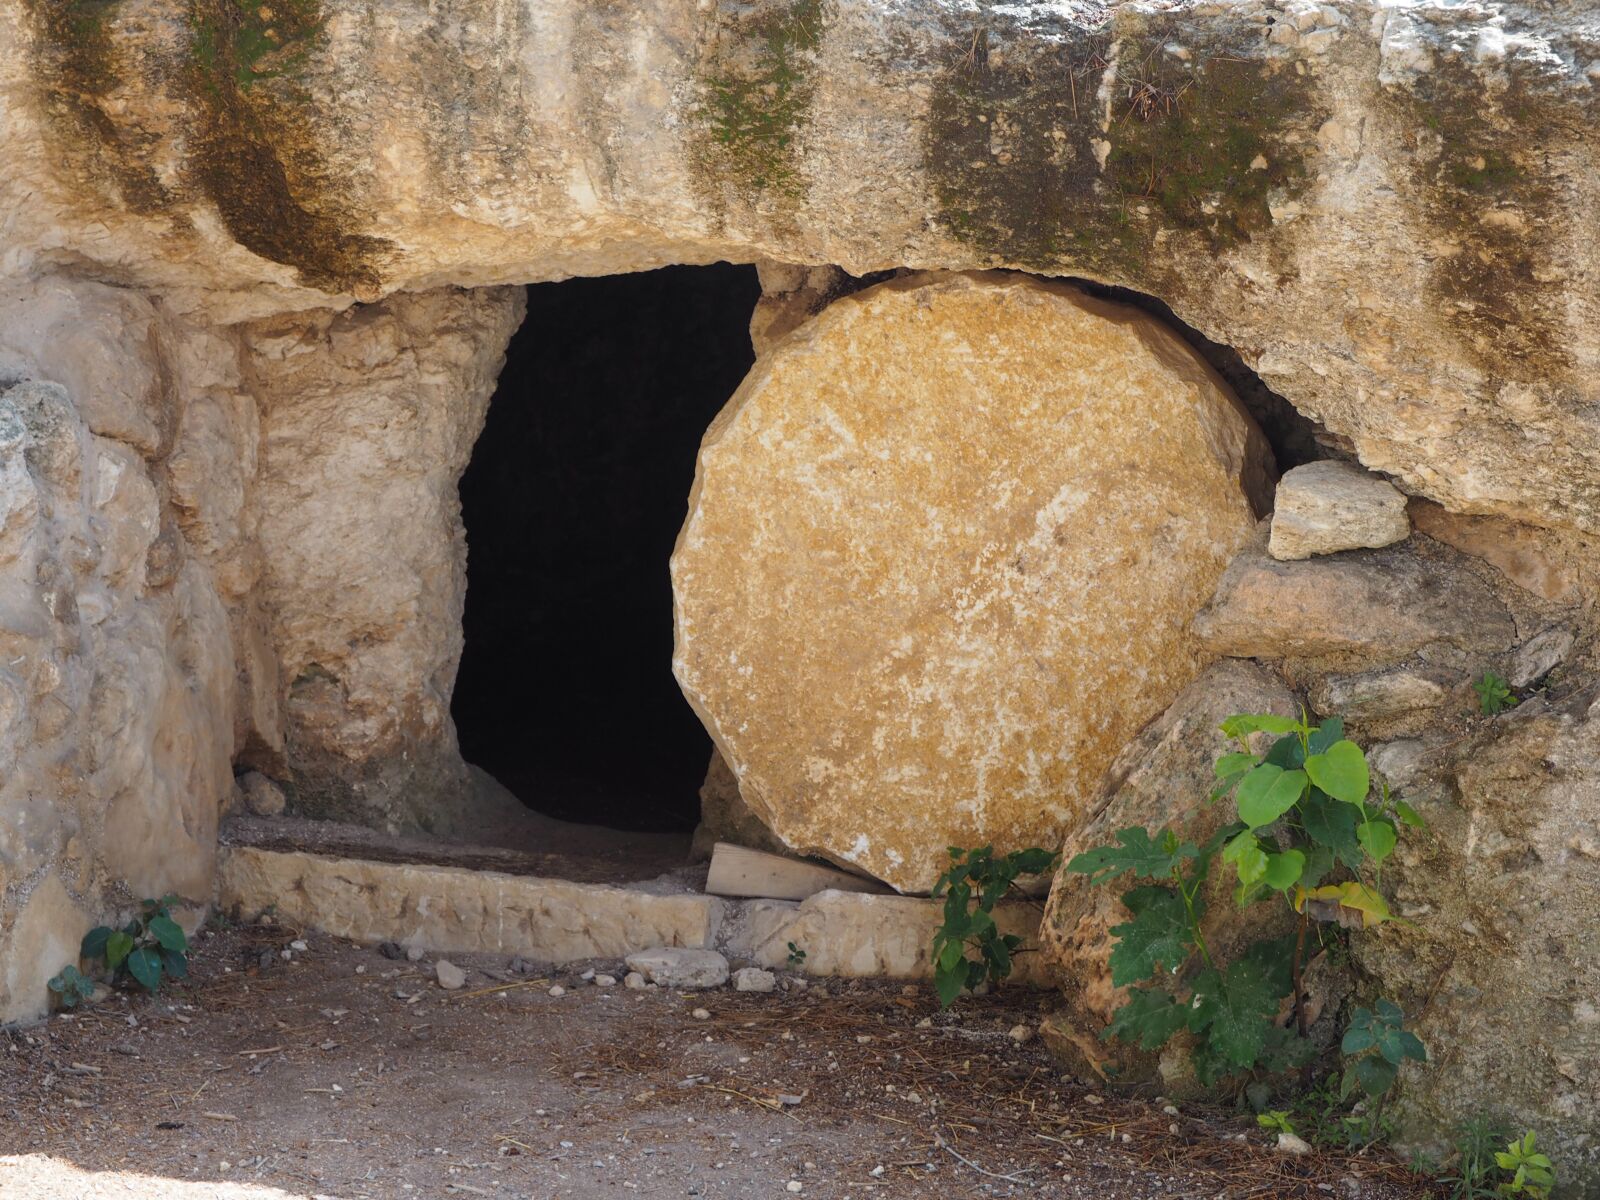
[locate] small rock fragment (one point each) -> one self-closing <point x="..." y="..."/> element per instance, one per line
<point x="605" y="981"/>
<point x="557" y="991"/>
<point x="414" y="953"/>
<point x="299" y="946"/>
<point x="754" y="979"/>
<point x="1540" y="655"/>
<point x="701" y="1014"/>
<point x="1288" y="1143"/>
<point x="675" y="966"/>
<point x="794" y="1185"/>
<point x="262" y="797"/>
<point x="449" y="975"/>
<point x="391" y="950"/>
<point x="1021" y="1034"/>
<point x="1325" y="507"/>
<point x="633" y="981"/>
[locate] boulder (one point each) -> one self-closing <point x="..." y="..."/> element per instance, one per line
<point x="1496" y="963"/>
<point x="1365" y="608"/>
<point x="1325" y="507"/>
<point x="1161" y="780"/>
<point x="940" y="554"/>
<point x="725" y="817"/>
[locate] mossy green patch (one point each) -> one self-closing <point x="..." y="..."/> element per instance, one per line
<point x="1032" y="166"/>
<point x="256" y="151"/>
<point x="1211" y="141"/>
<point x="76" y="67"/>
<point x="759" y="91"/>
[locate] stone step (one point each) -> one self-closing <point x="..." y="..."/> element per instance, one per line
<point x="443" y="909"/>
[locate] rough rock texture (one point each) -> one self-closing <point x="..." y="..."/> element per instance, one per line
<point x="1498" y="962"/>
<point x="1324" y="507"/>
<point x="1390" y="211"/>
<point x="1160" y="780"/>
<point x="369" y="419"/>
<point x="725" y="817"/>
<point x="1371" y="607"/>
<point x="680" y="967"/>
<point x="118" y="686"/>
<point x="1536" y="560"/>
<point x="920" y="532"/>
<point x="1375" y="695"/>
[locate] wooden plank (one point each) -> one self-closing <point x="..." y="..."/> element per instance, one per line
<point x="740" y="871"/>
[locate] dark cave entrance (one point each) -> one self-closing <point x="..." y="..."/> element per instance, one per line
<point x="572" y="502"/>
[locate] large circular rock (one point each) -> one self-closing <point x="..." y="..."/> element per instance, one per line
<point x="941" y="555"/>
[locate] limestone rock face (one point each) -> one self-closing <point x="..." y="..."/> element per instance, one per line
<point x="1502" y="892"/>
<point x="1160" y="781"/>
<point x="1325" y="507"/>
<point x="940" y="554"/>
<point x="369" y="420"/>
<point x="1389" y="210"/>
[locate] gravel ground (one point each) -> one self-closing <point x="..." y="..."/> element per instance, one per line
<point x="337" y="1071"/>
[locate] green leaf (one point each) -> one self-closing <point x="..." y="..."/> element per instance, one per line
<point x="1287" y="752"/>
<point x="145" y="966"/>
<point x="1138" y="854"/>
<point x="175" y="963"/>
<point x="94" y="942"/>
<point x="1375" y="1074"/>
<point x="950" y="956"/>
<point x="1233" y="764"/>
<point x="118" y="946"/>
<point x="948" y="982"/>
<point x="1275" y="957"/>
<point x="1244" y="724"/>
<point x="1157" y="937"/>
<point x="1235" y="1010"/>
<point x="999" y="958"/>
<point x="1247" y="856"/>
<point x="1341" y="771"/>
<point x="1382" y="1030"/>
<point x="1377" y="838"/>
<point x="169" y="933"/>
<point x="1409" y="815"/>
<point x="1148" y="1019"/>
<point x="1331" y="824"/>
<point x="1267" y="793"/>
<point x="1325" y="735"/>
<point x="1283" y="870"/>
<point x="1319" y="861"/>
<point x="1033" y="861"/>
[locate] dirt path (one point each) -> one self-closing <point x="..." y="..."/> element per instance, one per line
<point x="339" y="1072"/>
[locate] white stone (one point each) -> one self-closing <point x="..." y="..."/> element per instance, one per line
<point x="1324" y="507"/>
<point x="679" y="967"/>
<point x="754" y="979"/>
<point x="633" y="981"/>
<point x="449" y="975"/>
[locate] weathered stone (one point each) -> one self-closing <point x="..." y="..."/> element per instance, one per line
<point x="262" y="797"/>
<point x="1376" y="695"/>
<point x="450" y="976"/>
<point x="1367" y="607"/>
<point x="455" y="910"/>
<point x="1531" y="558"/>
<point x="1540" y="655"/>
<point x="43" y="936"/>
<point x="754" y="979"/>
<point x="1496" y="963"/>
<point x="1325" y="507"/>
<point x="370" y="417"/>
<point x="725" y="817"/>
<point x="894" y="614"/>
<point x="1162" y="780"/>
<point x="675" y="966"/>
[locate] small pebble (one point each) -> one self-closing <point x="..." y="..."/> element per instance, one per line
<point x="449" y="975"/>
<point x="1171" y="1110"/>
<point x="794" y="1185"/>
<point x="414" y="953"/>
<point x="587" y="976"/>
<point x="1288" y="1143"/>
<point x="605" y="981"/>
<point x="700" y="1014"/>
<point x="297" y="944"/>
<point x="558" y="990"/>
<point x="1021" y="1033"/>
<point x="633" y="981"/>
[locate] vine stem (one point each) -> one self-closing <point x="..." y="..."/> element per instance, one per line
<point x="1194" y="921"/>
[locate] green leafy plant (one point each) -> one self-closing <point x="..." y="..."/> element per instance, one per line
<point x="71" y="987"/>
<point x="1494" y="694"/>
<point x="974" y="884"/>
<point x="1275" y="1119"/>
<point x="1532" y="1174"/>
<point x="1475" y="1171"/>
<point x="797" y="957"/>
<point x="1309" y="834"/>
<point x="1377" y="1045"/>
<point x="149" y="948"/>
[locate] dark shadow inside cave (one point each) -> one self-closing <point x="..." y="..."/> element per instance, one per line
<point x="572" y="502"/>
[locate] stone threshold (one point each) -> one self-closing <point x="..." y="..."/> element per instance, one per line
<point x="446" y="909"/>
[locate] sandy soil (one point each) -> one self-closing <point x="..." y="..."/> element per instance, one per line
<point x="340" y="1072"/>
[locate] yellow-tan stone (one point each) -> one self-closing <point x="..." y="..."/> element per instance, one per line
<point x="940" y="557"/>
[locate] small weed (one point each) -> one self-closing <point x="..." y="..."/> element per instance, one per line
<point x="1494" y="694"/>
<point x="1475" y="1168"/>
<point x="1532" y="1173"/>
<point x="1275" y="1119"/>
<point x="974" y="884"/>
<point x="71" y="987"/>
<point x="797" y="957"/>
<point x="150" y="947"/>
